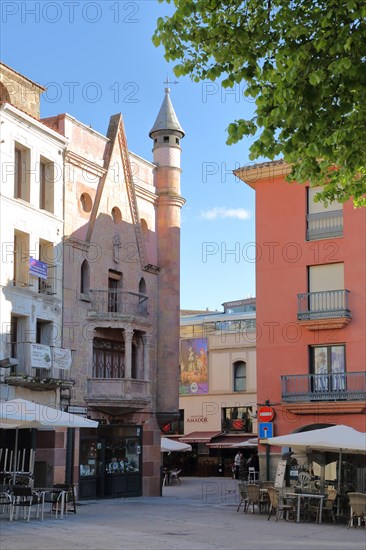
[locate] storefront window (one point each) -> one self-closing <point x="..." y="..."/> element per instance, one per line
<point x="122" y="454"/>
<point x="88" y="457"/>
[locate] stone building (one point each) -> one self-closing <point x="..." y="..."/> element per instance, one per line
<point x="113" y="219"/>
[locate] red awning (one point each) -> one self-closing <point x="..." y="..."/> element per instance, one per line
<point x="199" y="437"/>
<point x="228" y="441"/>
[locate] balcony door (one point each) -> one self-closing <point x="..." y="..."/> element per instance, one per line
<point x="328" y="368"/>
<point x="114" y="294"/>
<point x="325" y="284"/>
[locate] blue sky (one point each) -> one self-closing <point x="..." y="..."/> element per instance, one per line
<point x="97" y="59"/>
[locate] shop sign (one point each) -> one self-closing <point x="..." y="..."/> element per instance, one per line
<point x="197" y="418"/>
<point x="40" y="356"/>
<point x="62" y="358"/>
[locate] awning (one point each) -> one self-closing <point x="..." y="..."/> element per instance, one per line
<point x="199" y="437"/>
<point x="228" y="441"/>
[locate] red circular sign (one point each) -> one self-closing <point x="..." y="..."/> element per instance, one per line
<point x="265" y="414"/>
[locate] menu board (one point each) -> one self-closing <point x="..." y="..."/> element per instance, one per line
<point x="280" y="474"/>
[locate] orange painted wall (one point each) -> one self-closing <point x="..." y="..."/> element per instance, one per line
<point x="283" y="255"/>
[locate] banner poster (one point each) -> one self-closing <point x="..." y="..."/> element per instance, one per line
<point x="62" y="358"/>
<point x="193" y="367"/>
<point x="38" y="268"/>
<point x="40" y="356"/>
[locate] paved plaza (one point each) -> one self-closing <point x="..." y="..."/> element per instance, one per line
<point x="199" y="514"/>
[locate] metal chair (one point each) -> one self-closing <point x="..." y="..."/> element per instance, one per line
<point x="174" y="477"/>
<point x="24" y="497"/>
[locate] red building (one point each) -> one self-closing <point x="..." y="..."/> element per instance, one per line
<point x="311" y="311"/>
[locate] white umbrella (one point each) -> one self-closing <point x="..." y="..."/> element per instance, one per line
<point x="20" y="413"/>
<point x="335" y="438"/>
<point x="253" y="442"/>
<point x="170" y="445"/>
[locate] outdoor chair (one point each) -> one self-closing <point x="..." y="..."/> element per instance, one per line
<point x="256" y="497"/>
<point x="266" y="484"/>
<point x="58" y="500"/>
<point x="5" y="499"/>
<point x="278" y="504"/>
<point x="243" y="494"/>
<point x="174" y="477"/>
<point x="328" y="506"/>
<point x="24" y="497"/>
<point x="357" y="502"/>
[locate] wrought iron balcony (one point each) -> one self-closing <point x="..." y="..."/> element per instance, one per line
<point x="117" y="304"/>
<point x="345" y="386"/>
<point x="324" y="225"/>
<point x="325" y="305"/>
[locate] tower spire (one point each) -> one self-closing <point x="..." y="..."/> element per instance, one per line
<point x="166" y="119"/>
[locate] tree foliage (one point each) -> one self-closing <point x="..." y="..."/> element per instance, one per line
<point x="303" y="63"/>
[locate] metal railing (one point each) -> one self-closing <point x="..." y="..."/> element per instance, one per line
<point x="323" y="305"/>
<point x="324" y="225"/>
<point x="344" y="386"/>
<point x="117" y="303"/>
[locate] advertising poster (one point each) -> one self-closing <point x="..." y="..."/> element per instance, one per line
<point x="193" y="367"/>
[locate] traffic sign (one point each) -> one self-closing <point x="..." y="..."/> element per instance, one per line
<point x="265" y="414"/>
<point x="265" y="430"/>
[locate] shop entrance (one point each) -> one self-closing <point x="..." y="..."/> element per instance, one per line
<point x="111" y="462"/>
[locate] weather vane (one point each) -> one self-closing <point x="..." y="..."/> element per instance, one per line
<point x="167" y="81"/>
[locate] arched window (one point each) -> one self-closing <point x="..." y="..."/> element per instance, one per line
<point x="85" y="277"/>
<point x="142" y="286"/>
<point x="240" y="376"/>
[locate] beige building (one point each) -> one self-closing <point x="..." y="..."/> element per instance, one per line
<point x="117" y="287"/>
<point x="218" y="394"/>
<point x="34" y="365"/>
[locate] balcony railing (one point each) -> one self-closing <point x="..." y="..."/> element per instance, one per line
<point x="346" y="386"/>
<point x="323" y="305"/>
<point x="324" y="225"/>
<point x="115" y="304"/>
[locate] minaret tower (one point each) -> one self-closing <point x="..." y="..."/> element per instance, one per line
<point x="167" y="133"/>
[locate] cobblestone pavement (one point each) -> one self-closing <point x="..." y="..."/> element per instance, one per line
<point x="199" y="514"/>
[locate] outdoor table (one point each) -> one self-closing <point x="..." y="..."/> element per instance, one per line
<point x="307" y="495"/>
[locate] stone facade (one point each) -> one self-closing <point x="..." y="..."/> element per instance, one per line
<point x="118" y="288"/>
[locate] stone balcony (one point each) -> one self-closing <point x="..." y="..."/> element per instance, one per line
<point x="117" y="305"/>
<point x="112" y="394"/>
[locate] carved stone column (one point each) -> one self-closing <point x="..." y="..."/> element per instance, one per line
<point x="145" y="339"/>
<point x="128" y="352"/>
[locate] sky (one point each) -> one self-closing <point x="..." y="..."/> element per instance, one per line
<point x="97" y="59"/>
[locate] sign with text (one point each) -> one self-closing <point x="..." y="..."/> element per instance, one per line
<point x="38" y="268"/>
<point x="62" y="358"/>
<point x="280" y="474"/>
<point x="41" y="356"/>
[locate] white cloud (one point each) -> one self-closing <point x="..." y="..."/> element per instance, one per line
<point x="221" y="212"/>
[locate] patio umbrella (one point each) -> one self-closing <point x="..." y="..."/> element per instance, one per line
<point x="342" y="439"/>
<point x="170" y="445"/>
<point x="253" y="442"/>
<point x="335" y="438"/>
<point x="20" y="413"/>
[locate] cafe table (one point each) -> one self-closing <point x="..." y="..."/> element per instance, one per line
<point x="300" y="496"/>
